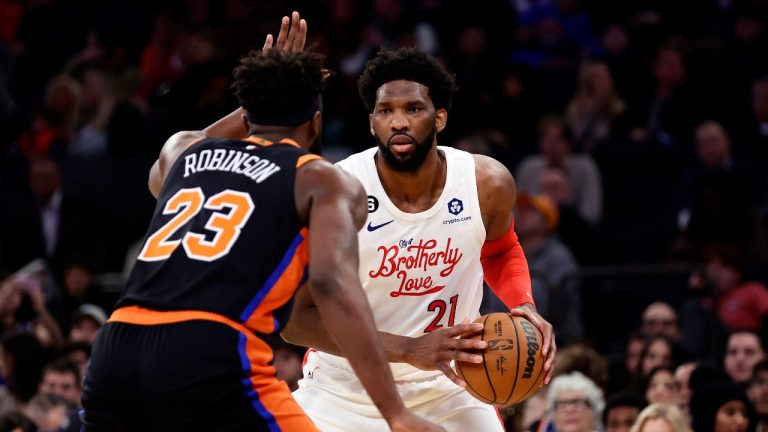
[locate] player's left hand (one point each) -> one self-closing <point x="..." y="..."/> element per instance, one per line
<point x="292" y="36"/>
<point x="549" y="349"/>
<point x="437" y="349"/>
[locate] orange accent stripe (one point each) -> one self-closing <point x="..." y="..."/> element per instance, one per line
<point x="143" y="316"/>
<point x="262" y="320"/>
<point x="195" y="141"/>
<point x="274" y="395"/>
<point x="266" y="143"/>
<point x="306" y="158"/>
<point x="259" y="141"/>
<point x="289" y="142"/>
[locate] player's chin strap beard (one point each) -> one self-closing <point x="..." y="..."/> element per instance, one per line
<point x="294" y="119"/>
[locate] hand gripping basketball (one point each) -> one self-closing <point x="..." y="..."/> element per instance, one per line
<point x="512" y="369"/>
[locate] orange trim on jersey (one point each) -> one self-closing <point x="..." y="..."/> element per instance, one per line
<point x="306" y="158"/>
<point x="289" y="142"/>
<point x="143" y="316"/>
<point x="262" y="319"/>
<point x="273" y="395"/>
<point x="266" y="143"/>
<point x="195" y="141"/>
<point x="259" y="141"/>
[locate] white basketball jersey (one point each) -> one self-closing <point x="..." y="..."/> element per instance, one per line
<point x="421" y="271"/>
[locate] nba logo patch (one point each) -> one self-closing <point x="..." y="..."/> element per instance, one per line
<point x="455" y="206"/>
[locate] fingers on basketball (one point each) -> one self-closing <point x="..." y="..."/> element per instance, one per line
<point x="512" y="369"/>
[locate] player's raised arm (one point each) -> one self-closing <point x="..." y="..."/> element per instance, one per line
<point x="334" y="204"/>
<point x="291" y="38"/>
<point x="505" y="268"/>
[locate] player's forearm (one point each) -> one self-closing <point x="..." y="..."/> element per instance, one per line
<point x="310" y="332"/>
<point x="505" y="270"/>
<point x="347" y="317"/>
<point x="230" y="126"/>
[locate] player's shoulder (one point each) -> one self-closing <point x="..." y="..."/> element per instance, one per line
<point x="326" y="177"/>
<point x="491" y="173"/>
<point x="357" y="161"/>
<point x="182" y="140"/>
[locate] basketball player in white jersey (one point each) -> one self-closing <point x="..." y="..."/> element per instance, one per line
<point x="439" y="222"/>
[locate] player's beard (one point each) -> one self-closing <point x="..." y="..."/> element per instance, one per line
<point x="412" y="162"/>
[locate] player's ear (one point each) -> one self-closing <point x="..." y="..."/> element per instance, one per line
<point x="245" y="124"/>
<point x="441" y="119"/>
<point x="316" y="125"/>
<point x="370" y="122"/>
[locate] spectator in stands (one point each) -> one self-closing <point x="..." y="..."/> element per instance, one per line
<point x="624" y="367"/>
<point x="49" y="223"/>
<point x="52" y="127"/>
<point x="86" y="323"/>
<point x="659" y="318"/>
<point x="579" y="234"/>
<point x="662" y="118"/>
<point x="717" y="197"/>
<point x="683" y="376"/>
<point x="720" y="406"/>
<point x="659" y="350"/>
<point x="594" y="113"/>
<point x="575" y="403"/>
<point x="61" y="377"/>
<point x="721" y="289"/>
<point x="584" y="177"/>
<point x="633" y="352"/>
<point x="21" y="363"/>
<point x="621" y="411"/>
<point x="557" y="298"/>
<point x="574" y="358"/>
<point x="77" y="353"/>
<point x="706" y="372"/>
<point x="755" y="140"/>
<point x="98" y="101"/>
<point x="743" y="352"/>
<point x="740" y="303"/>
<point x="78" y="288"/>
<point x="15" y="421"/>
<point x="23" y="307"/>
<point x="662" y="387"/>
<point x="552" y="38"/>
<point x="661" y="417"/>
<point x="49" y="412"/>
<point x="757" y="391"/>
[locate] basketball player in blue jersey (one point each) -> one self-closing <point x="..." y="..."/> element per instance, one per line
<point x="439" y="222"/>
<point x="239" y="226"/>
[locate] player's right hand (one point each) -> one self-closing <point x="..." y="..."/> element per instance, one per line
<point x="407" y="422"/>
<point x="437" y="349"/>
<point x="292" y="36"/>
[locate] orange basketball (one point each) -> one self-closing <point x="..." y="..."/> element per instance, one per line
<point x="513" y="367"/>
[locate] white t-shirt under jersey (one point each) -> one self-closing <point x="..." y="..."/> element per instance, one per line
<point x="421" y="271"/>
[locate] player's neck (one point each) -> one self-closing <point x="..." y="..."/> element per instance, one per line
<point x="414" y="191"/>
<point x="277" y="133"/>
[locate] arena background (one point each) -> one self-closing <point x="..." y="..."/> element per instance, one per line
<point x="642" y="123"/>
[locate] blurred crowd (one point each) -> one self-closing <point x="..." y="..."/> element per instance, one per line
<point x="637" y="132"/>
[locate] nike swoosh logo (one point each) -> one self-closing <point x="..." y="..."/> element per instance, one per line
<point x="372" y="228"/>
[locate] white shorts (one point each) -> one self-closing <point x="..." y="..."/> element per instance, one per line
<point x="336" y="401"/>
